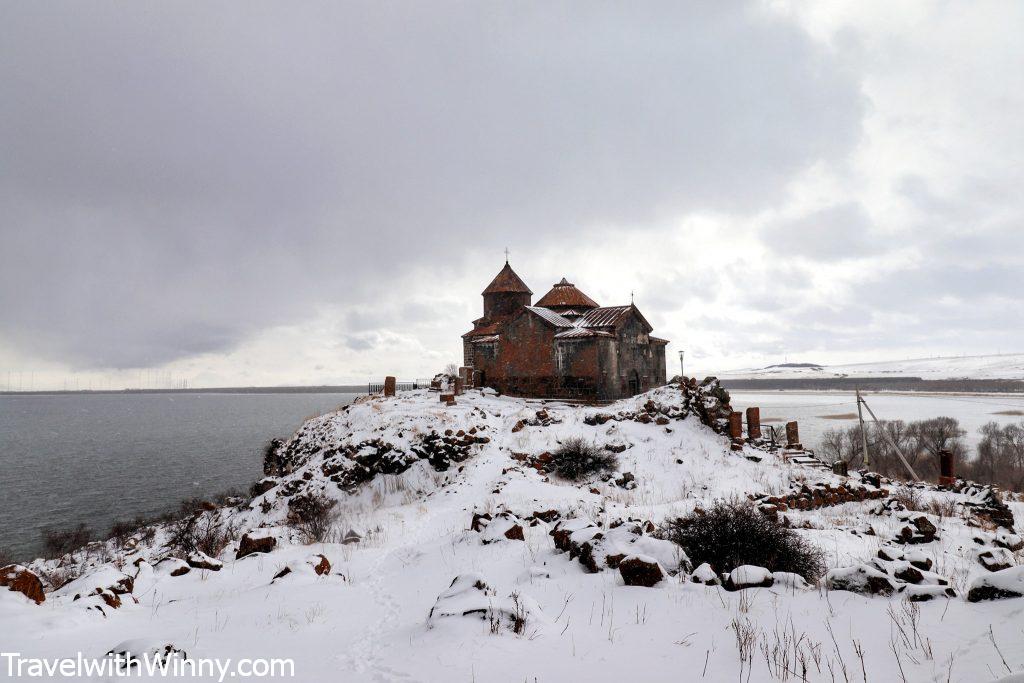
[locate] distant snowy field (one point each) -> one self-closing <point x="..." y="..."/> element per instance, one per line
<point x="1004" y="366"/>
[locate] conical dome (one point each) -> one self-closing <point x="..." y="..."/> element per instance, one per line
<point x="565" y="296"/>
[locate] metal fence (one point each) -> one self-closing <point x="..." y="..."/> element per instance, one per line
<point x="378" y="387"/>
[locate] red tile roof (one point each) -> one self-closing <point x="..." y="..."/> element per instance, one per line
<point x="564" y="293"/>
<point x="507" y="281"/>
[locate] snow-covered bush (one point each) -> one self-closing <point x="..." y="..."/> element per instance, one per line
<point x="731" y="535"/>
<point x="577" y="459"/>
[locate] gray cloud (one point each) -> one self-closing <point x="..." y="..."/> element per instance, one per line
<point x="178" y="178"/>
<point x="836" y="232"/>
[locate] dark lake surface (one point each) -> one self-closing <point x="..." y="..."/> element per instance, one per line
<point x="71" y="458"/>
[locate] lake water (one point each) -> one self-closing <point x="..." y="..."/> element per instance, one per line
<point x="73" y="458"/>
<point x="817" y="412"/>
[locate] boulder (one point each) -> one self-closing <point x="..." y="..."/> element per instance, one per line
<point x="20" y="580"/>
<point x="640" y="570"/>
<point x="173" y="566"/>
<point x="1007" y="583"/>
<point x="926" y="593"/>
<point x="321" y="565"/>
<point x="748" y="576"/>
<point x="706" y="575"/>
<point x="200" y="560"/>
<point x="860" y="579"/>
<point x="996" y="559"/>
<point x="470" y="596"/>
<point x="251" y="544"/>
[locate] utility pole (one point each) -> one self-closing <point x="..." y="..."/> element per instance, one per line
<point x="892" y="443"/>
<point x="863" y="432"/>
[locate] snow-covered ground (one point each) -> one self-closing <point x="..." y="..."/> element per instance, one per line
<point x="1003" y="366"/>
<point x="369" y="617"/>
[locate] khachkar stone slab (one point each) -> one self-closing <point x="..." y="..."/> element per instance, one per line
<point x="389" y="386"/>
<point x="754" y="423"/>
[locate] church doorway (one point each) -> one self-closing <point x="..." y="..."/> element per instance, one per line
<point x="634" y="384"/>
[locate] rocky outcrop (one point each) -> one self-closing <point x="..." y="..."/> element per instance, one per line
<point x="1008" y="583"/>
<point x="19" y="579"/>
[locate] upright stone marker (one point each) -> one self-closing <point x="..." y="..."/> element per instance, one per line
<point x="947" y="475"/>
<point x="389" y="386"/>
<point x="754" y="423"/>
<point x="792" y="435"/>
<point x="458" y="386"/>
<point x="735" y="425"/>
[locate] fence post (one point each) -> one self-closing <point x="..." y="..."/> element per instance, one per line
<point x="754" y="423"/>
<point x="793" y="435"/>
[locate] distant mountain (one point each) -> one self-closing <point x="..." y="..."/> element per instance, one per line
<point x="1004" y="366"/>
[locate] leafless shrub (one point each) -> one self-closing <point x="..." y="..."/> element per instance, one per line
<point x="201" y="532"/>
<point x="60" y="542"/>
<point x="313" y="515"/>
<point x="577" y="459"/>
<point x="59" y="577"/>
<point x="911" y="499"/>
<point x="733" y="534"/>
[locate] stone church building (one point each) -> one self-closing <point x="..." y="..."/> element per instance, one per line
<point x="565" y="345"/>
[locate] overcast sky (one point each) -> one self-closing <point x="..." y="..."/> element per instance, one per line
<point x="296" y="193"/>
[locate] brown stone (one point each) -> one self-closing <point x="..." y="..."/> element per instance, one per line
<point x="754" y="423"/>
<point x="323" y="567"/>
<point x="638" y="572"/>
<point x="735" y="425"/>
<point x="792" y="434"/>
<point x="389" y="386"/>
<point x="20" y="580"/>
<point x="515" y="533"/>
<point x="249" y="545"/>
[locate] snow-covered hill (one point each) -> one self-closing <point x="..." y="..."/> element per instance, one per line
<point x="1005" y="366"/>
<point x="456" y="557"/>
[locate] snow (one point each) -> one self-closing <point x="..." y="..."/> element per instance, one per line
<point x="404" y="602"/>
<point x="1000" y="366"/>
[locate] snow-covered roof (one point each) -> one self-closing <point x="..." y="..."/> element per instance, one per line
<point x="583" y="333"/>
<point x="550" y="316"/>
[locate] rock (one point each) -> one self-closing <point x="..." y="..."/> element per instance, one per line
<point x="860" y="579"/>
<point x="133" y="653"/>
<point x="351" y="537"/>
<point x="200" y="560"/>
<point x="518" y="426"/>
<point x="640" y="570"/>
<point x="255" y="544"/>
<point x="790" y="580"/>
<point x="1007" y="583"/>
<point x="470" y="596"/>
<point x="924" y="526"/>
<point x="706" y="575"/>
<point x="323" y="567"/>
<point x="919" y="560"/>
<point x="19" y="579"/>
<point x="996" y="559"/>
<point x="503" y="527"/>
<point x="926" y="593"/>
<point x="908" y="573"/>
<point x="173" y="566"/>
<point x="748" y="576"/>
<point x="263" y="485"/>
